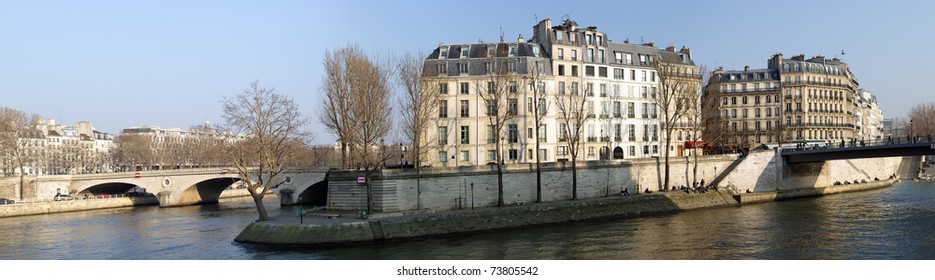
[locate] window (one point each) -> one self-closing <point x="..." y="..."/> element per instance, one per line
<point x="733" y="100"/>
<point x="465" y="156"/>
<point x="513" y="134"/>
<point x="603" y="90"/>
<point x="562" y="132"/>
<point x="561" y="150"/>
<point x="512" y="87"/>
<point x="574" y="71"/>
<point x="561" y="54"/>
<point x="542" y="107"/>
<point x="513" y="106"/>
<point x="491" y="135"/>
<point x="600" y="56"/>
<point x="561" y="70"/>
<point x="602" y="72"/>
<point x="644" y="75"/>
<point x="492" y="155"/>
<point x="631" y="132"/>
<point x="590" y="55"/>
<point x="444" y="52"/>
<point x="442" y="135"/>
<point x="443" y="156"/>
<point x="652" y="76"/>
<point x="463" y="67"/>
<point x="617" y="109"/>
<point x="631" y="111"/>
<point x="618" y="57"/>
<point x="617" y="136"/>
<point x="442" y="68"/>
<point x="629" y="59"/>
<point x="632" y="151"/>
<point x="464" y="88"/>
<point x="561" y="88"/>
<point x="465" y="134"/>
<point x="558" y="35"/>
<point x="443" y="88"/>
<point x="574" y="88"/>
<point x="512" y="50"/>
<point x="491" y="107"/>
<point x="529" y="132"/>
<point x="589" y="71"/>
<point x="465" y="110"/>
<point x="744" y="100"/>
<point x="465" y="51"/>
<point x="574" y="55"/>
<point x="544" y="154"/>
<point x="633" y="75"/>
<point x="587" y="39"/>
<point x="618" y="74"/>
<point x="724" y="101"/>
<point x="514" y="154"/>
<point x="443" y="108"/>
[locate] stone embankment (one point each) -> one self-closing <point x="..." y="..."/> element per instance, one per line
<point x="326" y="230"/>
<point x="52" y="207"/>
<point x="323" y="232"/>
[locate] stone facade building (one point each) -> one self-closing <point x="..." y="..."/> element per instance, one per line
<point x="617" y="80"/>
<point x="813" y="100"/>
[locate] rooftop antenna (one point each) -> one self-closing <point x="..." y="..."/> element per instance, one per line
<point x="641" y="39"/>
<point x="501" y="34"/>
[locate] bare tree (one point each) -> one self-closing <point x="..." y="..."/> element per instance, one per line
<point x="338" y="86"/>
<point x="273" y="124"/>
<point x="922" y="119"/>
<point x="572" y="116"/>
<point x="694" y="116"/>
<point x="133" y="149"/>
<point x="370" y="114"/>
<point x="499" y="95"/>
<point x="417" y="106"/>
<point x="673" y="86"/>
<point x="18" y="141"/>
<point x="540" y="107"/>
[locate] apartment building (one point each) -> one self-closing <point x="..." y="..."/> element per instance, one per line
<point x="793" y="99"/>
<point x="617" y="81"/>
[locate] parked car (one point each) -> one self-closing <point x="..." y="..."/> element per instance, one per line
<point x="6" y="201"/>
<point x="103" y="195"/>
<point x="63" y="197"/>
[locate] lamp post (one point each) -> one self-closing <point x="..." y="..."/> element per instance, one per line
<point x="911" y="134"/>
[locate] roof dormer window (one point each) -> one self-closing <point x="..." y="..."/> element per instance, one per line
<point x="443" y="52"/>
<point x="465" y="51"/>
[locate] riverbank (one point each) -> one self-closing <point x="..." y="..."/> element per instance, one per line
<point x="53" y="207"/>
<point x="336" y="230"/>
<point x="762" y="197"/>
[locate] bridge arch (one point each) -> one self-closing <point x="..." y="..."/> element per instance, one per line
<point x="109" y="188"/>
<point x="314" y="195"/>
<point x="203" y="192"/>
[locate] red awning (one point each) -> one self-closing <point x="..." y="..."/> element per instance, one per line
<point x="693" y="144"/>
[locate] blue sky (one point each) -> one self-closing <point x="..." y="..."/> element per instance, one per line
<point x="170" y="63"/>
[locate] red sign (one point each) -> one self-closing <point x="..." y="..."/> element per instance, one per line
<point x="136" y="175"/>
<point x="361" y="180"/>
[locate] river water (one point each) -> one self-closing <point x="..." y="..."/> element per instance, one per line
<point x="892" y="223"/>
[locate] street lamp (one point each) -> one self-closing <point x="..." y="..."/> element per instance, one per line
<point x="911" y="134"/>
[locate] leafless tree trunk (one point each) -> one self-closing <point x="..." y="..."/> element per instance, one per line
<point x="417" y="105"/>
<point x="501" y="107"/>
<point x="572" y="113"/>
<point x="540" y="106"/>
<point x="274" y="125"/>
<point x="695" y="116"/>
<point x="670" y="100"/>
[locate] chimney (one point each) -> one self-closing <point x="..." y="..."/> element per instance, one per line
<point x="800" y="57"/>
<point x="520" y="39"/>
<point x="670" y="48"/>
<point x="686" y="51"/>
<point x="650" y="44"/>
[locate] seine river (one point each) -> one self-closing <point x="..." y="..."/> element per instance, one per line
<point x="892" y="223"/>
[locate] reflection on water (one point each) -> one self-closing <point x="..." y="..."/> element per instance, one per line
<point x="891" y="223"/>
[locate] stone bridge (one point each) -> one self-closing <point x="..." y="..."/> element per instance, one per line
<point x="176" y="187"/>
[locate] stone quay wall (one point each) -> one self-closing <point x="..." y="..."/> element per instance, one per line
<point x="461" y="187"/>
